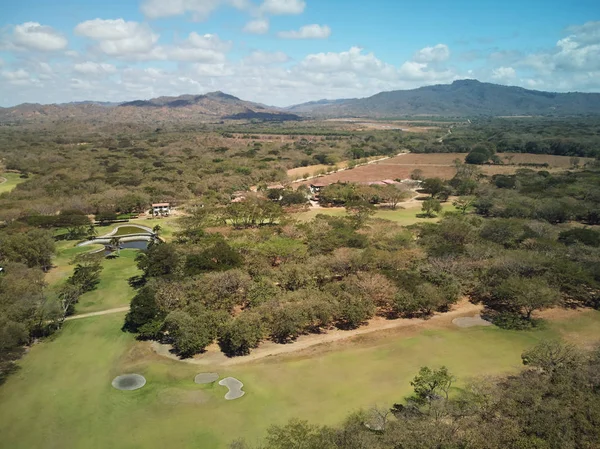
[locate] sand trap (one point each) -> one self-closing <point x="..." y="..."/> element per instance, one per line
<point x="129" y="382"/>
<point x="206" y="378"/>
<point x="470" y="321"/>
<point x="235" y="388"/>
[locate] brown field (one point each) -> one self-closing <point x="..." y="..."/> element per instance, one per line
<point x="415" y="126"/>
<point x="312" y="170"/>
<point x="441" y="165"/>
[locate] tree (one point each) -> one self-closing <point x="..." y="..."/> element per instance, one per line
<point x="143" y="310"/>
<point x="161" y="259"/>
<point x="431" y="207"/>
<point x="69" y="296"/>
<point x="189" y="335"/>
<point x="156" y="229"/>
<point x="393" y="195"/>
<point x="353" y="310"/>
<point x="416" y="174"/>
<point x="526" y="295"/>
<point x="430" y="385"/>
<point x="86" y="274"/>
<point x="241" y="334"/>
<point x="433" y="186"/>
<point x="464" y="203"/>
<point x="115" y="243"/>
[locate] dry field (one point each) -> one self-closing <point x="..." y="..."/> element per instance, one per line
<point x="414" y="126"/>
<point x="440" y="165"/>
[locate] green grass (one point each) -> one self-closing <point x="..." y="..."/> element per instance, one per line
<point x="126" y="230"/>
<point x="113" y="290"/>
<point x="62" y="396"/>
<point x="404" y="217"/>
<point x="12" y="180"/>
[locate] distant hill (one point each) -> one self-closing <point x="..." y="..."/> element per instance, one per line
<point x="211" y="106"/>
<point x="461" y="98"/>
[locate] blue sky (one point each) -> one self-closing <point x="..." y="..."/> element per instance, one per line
<point x="288" y="51"/>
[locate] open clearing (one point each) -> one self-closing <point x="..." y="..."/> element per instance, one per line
<point x="404" y="217"/>
<point x="440" y="165"/>
<point x="8" y="181"/>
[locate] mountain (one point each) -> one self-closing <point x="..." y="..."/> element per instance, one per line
<point x="461" y="98"/>
<point x="209" y="107"/>
<point x="313" y="105"/>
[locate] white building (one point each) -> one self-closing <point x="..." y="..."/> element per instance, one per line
<point x="161" y="209"/>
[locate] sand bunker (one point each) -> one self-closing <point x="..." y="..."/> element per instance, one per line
<point x="129" y="382"/>
<point x="206" y="378"/>
<point x="235" y="388"/>
<point x="471" y="321"/>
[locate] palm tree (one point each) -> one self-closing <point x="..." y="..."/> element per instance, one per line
<point x="156" y="229"/>
<point x="115" y="242"/>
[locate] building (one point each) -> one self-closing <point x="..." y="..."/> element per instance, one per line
<point x="317" y="187"/>
<point x="161" y="209"/>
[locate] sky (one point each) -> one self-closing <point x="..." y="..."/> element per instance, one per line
<point x="284" y="52"/>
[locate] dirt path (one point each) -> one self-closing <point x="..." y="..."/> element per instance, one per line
<point x="102" y="312"/>
<point x="213" y="355"/>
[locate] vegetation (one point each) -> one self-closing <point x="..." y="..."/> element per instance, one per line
<point x="559" y="379"/>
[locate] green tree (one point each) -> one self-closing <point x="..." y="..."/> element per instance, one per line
<point x="431" y="207"/>
<point x="526" y="295"/>
<point x="241" y="334"/>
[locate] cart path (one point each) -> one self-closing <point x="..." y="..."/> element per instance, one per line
<point x="100" y="313"/>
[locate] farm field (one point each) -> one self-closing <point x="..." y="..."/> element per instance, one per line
<point x="8" y="181"/>
<point x="65" y="381"/>
<point x="440" y="165"/>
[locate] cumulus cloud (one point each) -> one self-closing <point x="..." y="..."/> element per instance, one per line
<point x="207" y="48"/>
<point x="504" y="74"/>
<point x="437" y="53"/>
<point x="283" y="7"/>
<point x="94" y="68"/>
<point x="264" y="57"/>
<point x="118" y="37"/>
<point x="258" y="26"/>
<point x="200" y="9"/>
<point x="34" y="36"/>
<point x="307" y="32"/>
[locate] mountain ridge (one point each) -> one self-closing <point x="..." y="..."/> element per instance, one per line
<point x="462" y="98"/>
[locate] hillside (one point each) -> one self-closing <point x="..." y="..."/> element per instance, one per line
<point x="211" y="106"/>
<point x="461" y="98"/>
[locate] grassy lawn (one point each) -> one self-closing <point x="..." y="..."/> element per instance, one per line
<point x="113" y="290"/>
<point x="404" y="217"/>
<point x="12" y="180"/>
<point x="126" y="230"/>
<point x="62" y="397"/>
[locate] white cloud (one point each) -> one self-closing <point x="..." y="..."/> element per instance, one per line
<point x="208" y="48"/>
<point x="263" y="57"/>
<point x="19" y="74"/>
<point x="94" y="68"/>
<point x="504" y="74"/>
<point x="307" y="32"/>
<point x="200" y="9"/>
<point x="437" y="53"/>
<point x="283" y="7"/>
<point x="33" y="36"/>
<point x="118" y="37"/>
<point x="258" y="26"/>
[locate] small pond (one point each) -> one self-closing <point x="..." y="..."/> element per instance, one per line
<point x="142" y="245"/>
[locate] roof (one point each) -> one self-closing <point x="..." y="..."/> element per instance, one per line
<point x="161" y="205"/>
<point x="376" y="183"/>
<point x="276" y="186"/>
